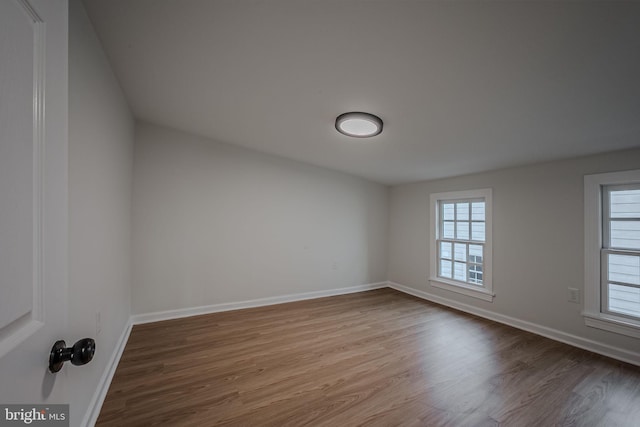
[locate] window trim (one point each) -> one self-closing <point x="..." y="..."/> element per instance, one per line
<point x="484" y="292"/>
<point x="593" y="314"/>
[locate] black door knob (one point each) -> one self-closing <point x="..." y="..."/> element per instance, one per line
<point x="80" y="354"/>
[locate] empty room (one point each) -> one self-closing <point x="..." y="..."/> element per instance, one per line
<point x="319" y="213"/>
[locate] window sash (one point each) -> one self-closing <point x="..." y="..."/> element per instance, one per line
<point x="455" y="220"/>
<point x="606" y="212"/>
<point x="469" y="264"/>
<point x="605" y="281"/>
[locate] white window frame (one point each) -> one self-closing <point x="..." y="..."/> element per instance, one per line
<point x="594" y="315"/>
<point x="484" y="291"/>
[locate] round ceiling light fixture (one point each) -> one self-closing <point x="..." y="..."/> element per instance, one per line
<point x="359" y="125"/>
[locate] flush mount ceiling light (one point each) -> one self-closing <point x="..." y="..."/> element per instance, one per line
<point x="359" y="125"/>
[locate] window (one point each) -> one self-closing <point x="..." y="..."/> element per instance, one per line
<point x="461" y="242"/>
<point x="612" y="253"/>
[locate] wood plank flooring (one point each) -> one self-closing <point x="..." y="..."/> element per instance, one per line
<point x="376" y="358"/>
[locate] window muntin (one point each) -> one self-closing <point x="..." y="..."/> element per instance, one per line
<point x="461" y="237"/>
<point x="620" y="253"/>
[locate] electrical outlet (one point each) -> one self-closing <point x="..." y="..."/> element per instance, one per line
<point x="334" y="265"/>
<point x="98" y="323"/>
<point x="574" y="295"/>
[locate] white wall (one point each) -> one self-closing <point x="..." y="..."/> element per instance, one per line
<point x="214" y="223"/>
<point x="538" y="247"/>
<point x="101" y="133"/>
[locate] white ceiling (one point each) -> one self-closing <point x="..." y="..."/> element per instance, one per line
<point x="462" y="87"/>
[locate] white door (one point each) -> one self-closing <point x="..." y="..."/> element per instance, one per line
<point x="33" y="197"/>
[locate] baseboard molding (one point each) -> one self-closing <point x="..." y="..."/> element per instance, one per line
<point x="554" y="334"/>
<point x="100" y="394"/>
<point x="138" y="319"/>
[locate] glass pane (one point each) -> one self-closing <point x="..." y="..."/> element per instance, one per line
<point x="477" y="231"/>
<point x="447" y="230"/>
<point x="447" y="211"/>
<point x="624" y="268"/>
<point x="625" y="234"/>
<point x="475" y="274"/>
<point x="460" y="250"/>
<point x="624" y="299"/>
<point x="460" y="271"/>
<point x="462" y="230"/>
<point x="462" y="213"/>
<point x="475" y="253"/>
<point x="625" y="203"/>
<point x="445" y="250"/>
<point x="445" y="268"/>
<point x="477" y="211"/>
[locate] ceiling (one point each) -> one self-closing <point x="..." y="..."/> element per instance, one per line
<point x="462" y="87"/>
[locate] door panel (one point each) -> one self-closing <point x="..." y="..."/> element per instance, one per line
<point x="20" y="167"/>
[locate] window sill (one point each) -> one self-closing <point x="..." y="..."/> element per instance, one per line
<point x="612" y="323"/>
<point x="458" y="287"/>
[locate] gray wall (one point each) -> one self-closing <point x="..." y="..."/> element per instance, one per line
<point x="538" y="246"/>
<point x="101" y="132"/>
<point x="214" y="223"/>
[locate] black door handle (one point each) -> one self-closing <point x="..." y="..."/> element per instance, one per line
<point x="80" y="354"/>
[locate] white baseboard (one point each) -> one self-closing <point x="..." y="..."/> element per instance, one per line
<point x="100" y="394"/>
<point x="554" y="334"/>
<point x="157" y="316"/>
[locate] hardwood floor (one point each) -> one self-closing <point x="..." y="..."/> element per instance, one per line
<point x="375" y="358"/>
